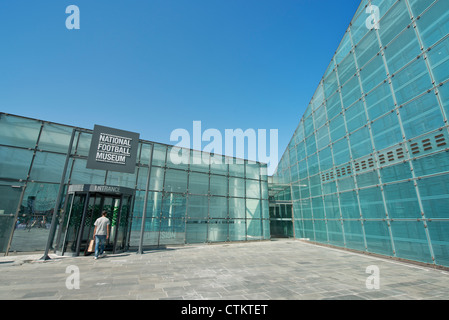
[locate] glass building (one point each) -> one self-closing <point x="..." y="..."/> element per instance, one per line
<point x="368" y="165"/>
<point x="211" y="198"/>
<point x="367" y="168"/>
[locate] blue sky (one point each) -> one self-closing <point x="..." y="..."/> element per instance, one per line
<point x="152" y="66"/>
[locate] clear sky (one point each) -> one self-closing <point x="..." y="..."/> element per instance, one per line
<point x="152" y="66"/>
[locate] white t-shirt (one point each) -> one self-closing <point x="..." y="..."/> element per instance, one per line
<point x="101" y="224"/>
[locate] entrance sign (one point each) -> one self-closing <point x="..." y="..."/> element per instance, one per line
<point x="100" y="189"/>
<point x="113" y="149"/>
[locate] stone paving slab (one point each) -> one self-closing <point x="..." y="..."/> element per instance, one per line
<point x="270" y="270"/>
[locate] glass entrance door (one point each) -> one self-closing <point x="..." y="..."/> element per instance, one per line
<point x="83" y="209"/>
<point x="281" y="220"/>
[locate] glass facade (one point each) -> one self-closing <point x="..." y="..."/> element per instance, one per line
<point x="209" y="198"/>
<point x="366" y="169"/>
<point x="368" y="165"/>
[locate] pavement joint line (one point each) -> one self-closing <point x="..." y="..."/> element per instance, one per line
<point x="386" y="259"/>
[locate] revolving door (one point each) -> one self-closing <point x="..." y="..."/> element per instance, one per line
<point x="84" y="206"/>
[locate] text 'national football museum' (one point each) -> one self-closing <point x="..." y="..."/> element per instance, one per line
<point x="367" y="168"/>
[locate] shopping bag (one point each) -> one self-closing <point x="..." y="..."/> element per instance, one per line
<point x="91" y="247"/>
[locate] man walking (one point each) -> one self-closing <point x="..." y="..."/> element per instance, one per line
<point x="101" y="234"/>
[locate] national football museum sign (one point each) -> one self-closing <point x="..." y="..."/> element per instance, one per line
<point x="113" y="149"/>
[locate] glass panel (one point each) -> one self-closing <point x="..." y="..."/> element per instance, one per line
<point x="19" y="132"/>
<point x="142" y="178"/>
<point x="218" y="185"/>
<point x="55" y="138"/>
<point x="145" y="154"/>
<point x="379" y="101"/>
<point x="218" y="231"/>
<point x="320" y="117"/>
<point x="411" y="81"/>
<point x="325" y="159"/>
<point x="439" y="233"/>
<point x="333" y="106"/>
<point x="173" y="206"/>
<point x="349" y="205"/>
<point x="367" y="48"/>
<point x="47" y="167"/>
<point x="154" y="204"/>
<point x="175" y="181"/>
<point x="434" y="24"/>
<point x="83" y="146"/>
<point x="252" y="170"/>
<point x="337" y="128"/>
<point x="332" y="207"/>
<point x="367" y="179"/>
<point x="178" y="158"/>
<point x="198" y="207"/>
<point x="255" y="229"/>
<point x="371" y="203"/>
<point x="122" y="230"/>
<point x="237" y="170"/>
<point x="198" y="183"/>
<point x="196" y="231"/>
<point x="218" y="165"/>
<point x="439" y="61"/>
<point x="432" y="164"/>
<point x="351" y="92"/>
<point x="127" y="180"/>
<point x="410" y="240"/>
<point x="396" y="173"/>
<point x="236" y="187"/>
<point x="330" y="84"/>
<point x="421" y="116"/>
<point x="402" y="201"/>
<point x="444" y="92"/>
<point x="237" y="230"/>
<point x="35" y="216"/>
<point x="386" y="131"/>
<point x="395" y="20"/>
<point x="15" y="163"/>
<point x="82" y="175"/>
<point x="355" y="116"/>
<point x="252" y="189"/>
<point x="358" y="28"/>
<point x="346" y="69"/>
<point x="218" y="208"/>
<point x="71" y="224"/>
<point x="402" y="50"/>
<point x="253" y="209"/>
<point x="354" y="235"/>
<point x="157" y="178"/>
<point x="418" y="6"/>
<point x="9" y="200"/>
<point x="172" y="231"/>
<point x="335" y="232"/>
<point x="360" y="143"/>
<point x="322" y="136"/>
<point x="378" y="237"/>
<point x="151" y="231"/>
<point x="159" y="155"/>
<point x="199" y="161"/>
<point x="435" y="196"/>
<point x="236" y="208"/>
<point x="373" y="73"/>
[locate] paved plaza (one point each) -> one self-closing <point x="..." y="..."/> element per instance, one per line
<point x="269" y="270"/>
